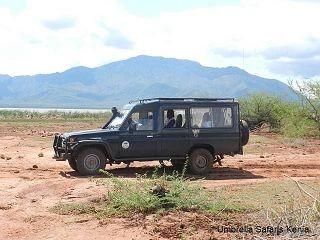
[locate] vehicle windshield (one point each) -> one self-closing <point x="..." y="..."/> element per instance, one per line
<point x="118" y="120"/>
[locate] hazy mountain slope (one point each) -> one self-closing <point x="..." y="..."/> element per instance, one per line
<point x="138" y="77"/>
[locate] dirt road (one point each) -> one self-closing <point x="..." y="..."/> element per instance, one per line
<point x="30" y="184"/>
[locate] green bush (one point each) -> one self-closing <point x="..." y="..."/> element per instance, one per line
<point x="290" y="119"/>
<point x="309" y="94"/>
<point x="258" y="109"/>
<point x="296" y="125"/>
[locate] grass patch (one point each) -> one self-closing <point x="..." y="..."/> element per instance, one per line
<point x="160" y="194"/>
<point x="73" y="208"/>
<point x="280" y="203"/>
<point x="270" y="195"/>
<point x="259" y="139"/>
<point x="147" y="195"/>
<point x="295" y="142"/>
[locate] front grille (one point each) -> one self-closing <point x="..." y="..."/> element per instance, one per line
<point x="63" y="142"/>
<point x="59" y="145"/>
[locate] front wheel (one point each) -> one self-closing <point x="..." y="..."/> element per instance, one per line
<point x="201" y="161"/>
<point x="72" y="163"/>
<point x="90" y="161"/>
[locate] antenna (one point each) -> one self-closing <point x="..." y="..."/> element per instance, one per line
<point x="243" y="58"/>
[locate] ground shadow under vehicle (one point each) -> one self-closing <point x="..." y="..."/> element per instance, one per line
<point x="217" y="173"/>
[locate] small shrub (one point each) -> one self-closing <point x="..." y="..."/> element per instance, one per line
<point x="40" y="154"/>
<point x="2" y="156"/>
<point x="175" y="193"/>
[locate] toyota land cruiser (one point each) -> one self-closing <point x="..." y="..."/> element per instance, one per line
<point x="201" y="130"/>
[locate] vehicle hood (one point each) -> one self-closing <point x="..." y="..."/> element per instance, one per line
<point x="90" y="134"/>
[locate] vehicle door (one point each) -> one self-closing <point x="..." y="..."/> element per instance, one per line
<point x="173" y="132"/>
<point x="136" y="140"/>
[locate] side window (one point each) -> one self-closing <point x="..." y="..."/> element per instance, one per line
<point x="174" y="118"/>
<point x="142" y="120"/>
<point x="200" y="118"/>
<point x="214" y="117"/>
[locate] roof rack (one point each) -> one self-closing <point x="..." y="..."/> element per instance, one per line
<point x="183" y="99"/>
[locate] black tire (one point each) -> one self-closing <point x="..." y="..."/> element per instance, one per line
<point x="244" y="128"/>
<point x="200" y="161"/>
<point x="178" y="164"/>
<point x="90" y="161"/>
<point x="73" y="164"/>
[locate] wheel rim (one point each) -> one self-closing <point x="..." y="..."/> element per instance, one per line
<point x="92" y="162"/>
<point x="201" y="161"/>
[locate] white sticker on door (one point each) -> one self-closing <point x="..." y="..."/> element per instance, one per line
<point x="125" y="144"/>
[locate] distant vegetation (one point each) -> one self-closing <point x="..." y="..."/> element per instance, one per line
<point x="292" y="119"/>
<point x="25" y="115"/>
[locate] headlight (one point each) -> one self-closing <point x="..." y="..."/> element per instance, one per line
<point x="72" y="140"/>
<point x="63" y="142"/>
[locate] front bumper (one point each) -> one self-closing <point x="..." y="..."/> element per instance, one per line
<point x="60" y="148"/>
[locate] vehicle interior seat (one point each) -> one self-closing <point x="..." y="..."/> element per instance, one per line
<point x="179" y="121"/>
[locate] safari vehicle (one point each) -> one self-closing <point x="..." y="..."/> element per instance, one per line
<point x="201" y="130"/>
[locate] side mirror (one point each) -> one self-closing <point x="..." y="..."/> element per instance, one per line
<point x="114" y="111"/>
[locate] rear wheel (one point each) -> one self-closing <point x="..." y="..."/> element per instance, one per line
<point x="200" y="161"/>
<point x="72" y="163"/>
<point x="90" y="161"/>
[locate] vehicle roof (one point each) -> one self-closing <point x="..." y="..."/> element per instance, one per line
<point x="181" y="101"/>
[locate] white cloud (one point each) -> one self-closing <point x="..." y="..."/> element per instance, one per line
<point x="95" y="32"/>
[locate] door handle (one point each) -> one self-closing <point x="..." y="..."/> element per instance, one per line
<point x="150" y="136"/>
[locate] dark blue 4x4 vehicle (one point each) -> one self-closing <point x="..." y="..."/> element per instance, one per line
<point x="200" y="130"/>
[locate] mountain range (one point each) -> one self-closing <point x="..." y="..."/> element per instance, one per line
<point x="117" y="83"/>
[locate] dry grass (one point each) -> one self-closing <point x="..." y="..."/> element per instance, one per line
<point x="292" y="206"/>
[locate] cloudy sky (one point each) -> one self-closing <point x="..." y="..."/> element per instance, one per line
<point x="275" y="38"/>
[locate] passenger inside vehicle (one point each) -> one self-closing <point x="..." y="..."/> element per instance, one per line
<point x="206" y="120"/>
<point x="145" y="121"/>
<point x="169" y="121"/>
